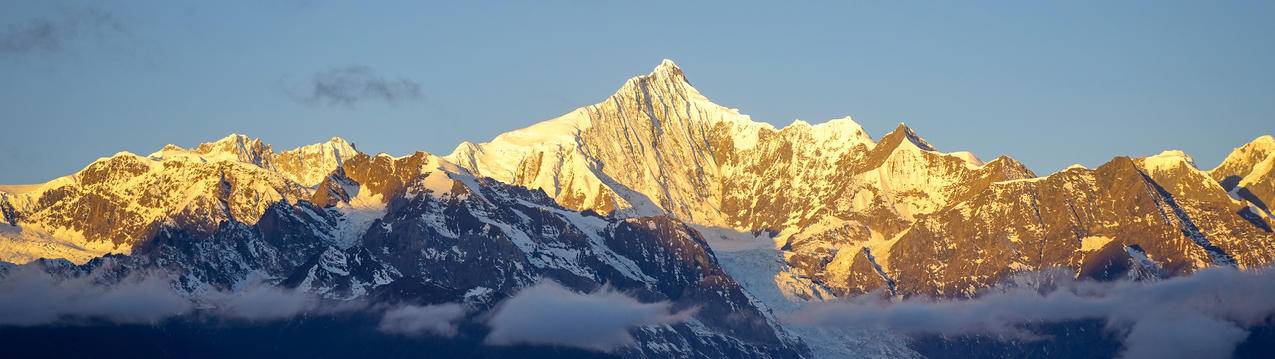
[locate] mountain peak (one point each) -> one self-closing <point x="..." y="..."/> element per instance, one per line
<point x="234" y="142"/>
<point x="667" y="64"/>
<point x="236" y="147"/>
<point x="342" y="147"/>
<point x="841" y="130"/>
<point x="668" y="69"/>
<point x="234" y="137"/>
<point x="1240" y="162"/>
<point x="1173" y="154"/>
<point x="339" y="140"/>
<point x="1167" y="159"/>
<point x="908" y="134"/>
<point x="665" y="77"/>
<point x="1264" y="141"/>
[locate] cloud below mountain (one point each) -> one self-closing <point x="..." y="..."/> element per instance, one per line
<point x="1202" y="315"/>
<point x="544" y="314"/>
<point x="422" y="320"/>
<point x="351" y="85"/>
<point x="549" y="314"/>
<point x="30" y="296"/>
<point x="261" y="302"/>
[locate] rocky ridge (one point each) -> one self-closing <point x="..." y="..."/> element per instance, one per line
<point x="116" y="202"/>
<point x="440" y="235"/>
<point x="852" y="214"/>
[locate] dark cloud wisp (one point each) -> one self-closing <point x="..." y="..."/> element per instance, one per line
<point x="351" y="85"/>
<point x="52" y="33"/>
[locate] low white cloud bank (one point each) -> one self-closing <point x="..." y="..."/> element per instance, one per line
<point x="1204" y="315"/>
<point x="30" y="296"/>
<point x="549" y="314"/>
<point x="414" y="320"/>
<point x="33" y="297"/>
<point x="263" y="302"/>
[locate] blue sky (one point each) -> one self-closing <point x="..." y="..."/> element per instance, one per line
<point x="1051" y="85"/>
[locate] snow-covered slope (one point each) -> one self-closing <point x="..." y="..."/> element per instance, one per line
<point x="1249" y="174"/>
<point x="644" y="150"/>
<point x="658" y="146"/>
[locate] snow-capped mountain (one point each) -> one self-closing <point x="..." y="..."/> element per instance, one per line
<point x="1098" y="222"/>
<point x="1249" y="173"/>
<point x="305" y="165"/>
<point x="659" y="146"/>
<point x="436" y="234"/>
<point x="845" y="209"/>
<point x="655" y="191"/>
<point x="116" y="202"/>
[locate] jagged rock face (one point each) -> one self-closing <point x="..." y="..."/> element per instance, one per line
<point x="283" y="239"/>
<point x="450" y="237"/>
<point x="8" y="214"/>
<point x="334" y="189"/>
<point x="385" y="177"/>
<point x="1096" y="222"/>
<point x="305" y="165"/>
<point x="881" y="194"/>
<point x="120" y="200"/>
<point x="117" y="202"/>
<point x="502" y="238"/>
<point x="309" y="165"/>
<point x="382" y="179"/>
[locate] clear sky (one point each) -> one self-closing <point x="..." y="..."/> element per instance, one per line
<point x="1051" y="85"/>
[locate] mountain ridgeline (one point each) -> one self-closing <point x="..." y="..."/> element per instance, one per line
<point x="854" y="214"/>
<point x="621" y="194"/>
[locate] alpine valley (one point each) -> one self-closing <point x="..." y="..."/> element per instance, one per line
<point x="655" y="194"/>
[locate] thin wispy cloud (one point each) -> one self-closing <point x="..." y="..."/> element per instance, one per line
<point x="350" y="86"/>
<point x="53" y="33"/>
<point x="1204" y="315"/>
<point x="549" y="314"/>
<point x="263" y="302"/>
<point x="414" y="320"/>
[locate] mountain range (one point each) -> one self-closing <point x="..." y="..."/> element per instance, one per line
<point x="657" y="192"/>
